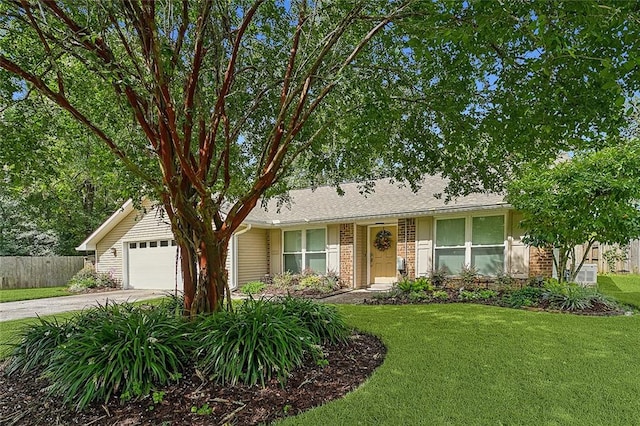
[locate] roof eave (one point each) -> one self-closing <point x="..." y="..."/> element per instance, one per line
<point x="411" y="214"/>
<point x="90" y="243"/>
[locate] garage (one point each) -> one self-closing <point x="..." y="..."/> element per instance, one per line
<point x="152" y="265"/>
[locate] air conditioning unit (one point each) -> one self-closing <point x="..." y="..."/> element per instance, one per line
<point x="588" y="274"/>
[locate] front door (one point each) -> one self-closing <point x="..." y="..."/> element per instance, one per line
<point x="382" y="261"/>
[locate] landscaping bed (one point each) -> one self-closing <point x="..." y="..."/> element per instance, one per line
<point x="23" y="399"/>
<point x="147" y="364"/>
<point x="307" y="284"/>
<point x="546" y="295"/>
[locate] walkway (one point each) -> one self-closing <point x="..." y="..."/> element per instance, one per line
<point x="55" y="305"/>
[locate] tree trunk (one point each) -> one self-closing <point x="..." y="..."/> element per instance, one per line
<point x="203" y="255"/>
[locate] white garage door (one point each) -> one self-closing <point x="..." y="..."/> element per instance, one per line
<point x="152" y="265"/>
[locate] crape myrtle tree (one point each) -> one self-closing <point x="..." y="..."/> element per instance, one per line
<point x="594" y="196"/>
<point x="226" y="101"/>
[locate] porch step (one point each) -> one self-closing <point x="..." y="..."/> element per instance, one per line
<point x="380" y="287"/>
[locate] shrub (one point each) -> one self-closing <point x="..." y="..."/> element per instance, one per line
<point x="569" y="297"/>
<point x="439" y="277"/>
<point x="504" y="280"/>
<point x="118" y="349"/>
<point x="253" y="287"/>
<point x="324" y="322"/>
<point x="467" y="295"/>
<point x="487" y="294"/>
<point x="526" y="296"/>
<point x="310" y="281"/>
<point x="37" y="344"/>
<point x="468" y="275"/>
<point x="418" y="296"/>
<point x="89" y="278"/>
<point x="420" y="284"/>
<point x="257" y="342"/>
<point x="284" y="280"/>
<point x="440" y="295"/>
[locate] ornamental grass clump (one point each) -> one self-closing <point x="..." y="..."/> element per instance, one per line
<point x="323" y="321"/>
<point x="37" y="343"/>
<point x="120" y="350"/>
<point x="254" y="344"/>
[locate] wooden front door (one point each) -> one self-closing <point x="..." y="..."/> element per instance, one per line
<point x="382" y="263"/>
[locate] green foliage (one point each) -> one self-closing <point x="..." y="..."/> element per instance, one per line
<point x="38" y="343"/>
<point x="440" y="295"/>
<point x="420" y="284"/>
<point x="439" y="277"/>
<point x="257" y="342"/>
<point x="614" y="255"/>
<point x="307" y="280"/>
<point x="324" y="321"/>
<point x="203" y="410"/>
<point x="253" y="287"/>
<point x="484" y="295"/>
<point x="88" y="277"/>
<point x="504" y="280"/>
<point x="117" y="349"/>
<point x="591" y="197"/>
<point x="419" y="296"/>
<point x="468" y="275"/>
<point x="525" y="296"/>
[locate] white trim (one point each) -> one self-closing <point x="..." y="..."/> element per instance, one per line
<point x="303" y="252"/>
<point x="468" y="236"/>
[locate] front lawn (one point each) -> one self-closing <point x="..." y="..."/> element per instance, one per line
<point x="13" y="295"/>
<point x="475" y="364"/>
<point x="471" y="364"/>
<point x="624" y="288"/>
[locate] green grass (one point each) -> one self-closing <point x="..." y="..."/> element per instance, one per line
<point x="13" y="295"/>
<point x="10" y="330"/>
<point x="459" y="364"/>
<point x="624" y="288"/>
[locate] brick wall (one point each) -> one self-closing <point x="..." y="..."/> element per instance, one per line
<point x="407" y="227"/>
<point x="346" y="253"/>
<point x="540" y="262"/>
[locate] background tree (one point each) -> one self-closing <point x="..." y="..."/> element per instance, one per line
<point x="225" y="98"/>
<point x="592" y="197"/>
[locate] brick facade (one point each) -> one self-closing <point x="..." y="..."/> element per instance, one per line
<point x="540" y="262"/>
<point x="346" y="253"/>
<point x="407" y="248"/>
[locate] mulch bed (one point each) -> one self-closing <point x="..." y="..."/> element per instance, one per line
<point x="597" y="309"/>
<point x="24" y="401"/>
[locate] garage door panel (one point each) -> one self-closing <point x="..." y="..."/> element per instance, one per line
<point x="153" y="266"/>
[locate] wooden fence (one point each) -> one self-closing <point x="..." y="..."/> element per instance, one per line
<point x="34" y="272"/>
<point x="631" y="264"/>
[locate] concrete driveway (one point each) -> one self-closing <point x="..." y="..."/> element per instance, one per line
<point x="55" y="305"/>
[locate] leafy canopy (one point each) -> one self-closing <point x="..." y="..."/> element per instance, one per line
<point x="591" y="197"/>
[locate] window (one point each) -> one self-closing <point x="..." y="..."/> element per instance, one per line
<point x="164" y="243"/>
<point x="153" y="244"/>
<point x="133" y="245"/>
<point x="477" y="241"/>
<point x="305" y="249"/>
<point x="143" y="245"/>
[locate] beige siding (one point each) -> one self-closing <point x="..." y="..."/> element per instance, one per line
<point x="518" y="259"/>
<point x="275" y="251"/>
<point x="361" y="257"/>
<point x="424" y="246"/>
<point x="137" y="226"/>
<point x="252" y="255"/>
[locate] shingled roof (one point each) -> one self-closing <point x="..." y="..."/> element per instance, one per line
<point x="389" y="200"/>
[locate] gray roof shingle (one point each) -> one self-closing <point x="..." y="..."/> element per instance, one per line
<point x="325" y="205"/>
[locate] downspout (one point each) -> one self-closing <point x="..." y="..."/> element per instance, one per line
<point x="234" y="255"/>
